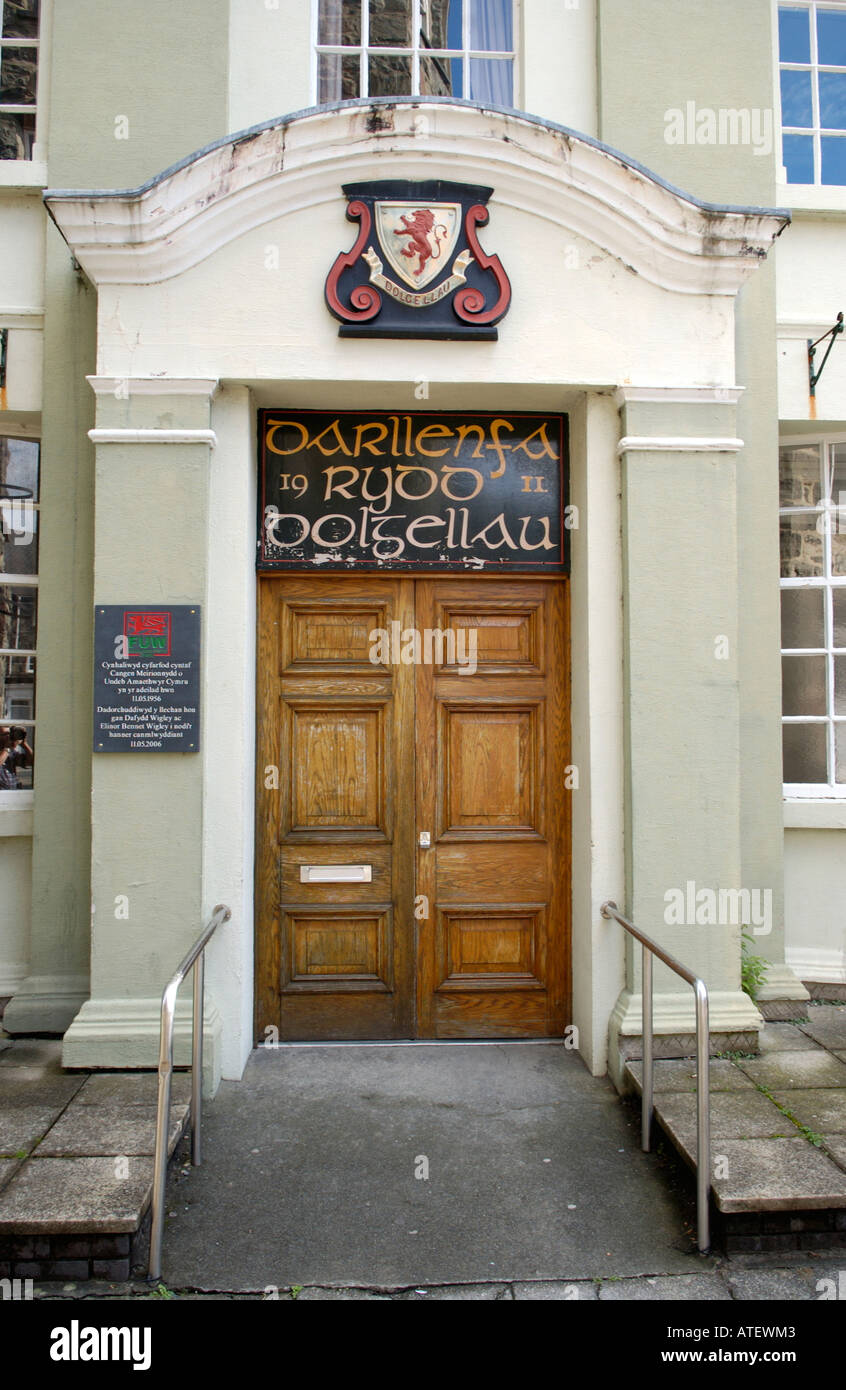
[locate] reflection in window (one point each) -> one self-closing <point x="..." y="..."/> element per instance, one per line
<point x="458" y="48"/>
<point x="812" y="80"/>
<point x="18" y="77"/>
<point x="813" y="616"/>
<point x="19" y="517"/>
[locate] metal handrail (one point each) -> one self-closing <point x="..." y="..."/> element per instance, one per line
<point x="703" y="1097"/>
<point x="195" y="958"/>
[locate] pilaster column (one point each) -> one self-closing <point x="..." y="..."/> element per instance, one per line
<point x="153" y="447"/>
<point x="679" y="454"/>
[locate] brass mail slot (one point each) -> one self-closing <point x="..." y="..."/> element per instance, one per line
<point x="336" y="873"/>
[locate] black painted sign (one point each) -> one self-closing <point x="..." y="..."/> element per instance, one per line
<point x="146" y="678"/>
<point x="377" y="490"/>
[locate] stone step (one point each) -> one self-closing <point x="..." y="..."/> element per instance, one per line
<point x="76" y="1164"/>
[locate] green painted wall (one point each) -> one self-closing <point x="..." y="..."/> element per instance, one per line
<point x="653" y="57"/>
<point x="163" y="67"/>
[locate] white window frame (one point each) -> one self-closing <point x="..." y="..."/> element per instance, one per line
<point x="827" y="582"/>
<point x="23" y="798"/>
<point x="816" y="131"/>
<point x="365" y="51"/>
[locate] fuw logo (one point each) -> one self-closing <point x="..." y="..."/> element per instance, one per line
<point x="704" y="126"/>
<point x="77" y="1343"/>
<point x="431" y="647"/>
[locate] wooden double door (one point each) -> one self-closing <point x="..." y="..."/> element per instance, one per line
<point x="413" y="844"/>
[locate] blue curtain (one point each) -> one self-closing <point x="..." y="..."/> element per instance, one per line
<point x="491" y="30"/>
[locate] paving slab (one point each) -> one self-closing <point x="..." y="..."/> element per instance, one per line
<point x="785" y="1037"/>
<point x="827" y="1024"/>
<point x="688" y="1288"/>
<point x="836" y="1145"/>
<point x="33" y="1052"/>
<point x="8" y="1167"/>
<point x="21" y="1126"/>
<point x="734" y="1115"/>
<point x="680" y="1075"/>
<point x="534" y="1173"/>
<point x="821" y="1110"/>
<point x="25" y="1086"/>
<point x="326" y="1295"/>
<point x="66" y="1195"/>
<point x="803" y="1283"/>
<point x="463" y="1293"/>
<point x="777" y="1175"/>
<point x="91" y="1130"/>
<point x="796" y="1071"/>
<point x="575" y="1291"/>
<point x="132" y="1088"/>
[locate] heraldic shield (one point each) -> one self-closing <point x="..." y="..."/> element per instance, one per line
<point x="417" y="269"/>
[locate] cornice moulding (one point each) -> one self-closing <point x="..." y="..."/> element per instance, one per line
<point x="157" y="231"/>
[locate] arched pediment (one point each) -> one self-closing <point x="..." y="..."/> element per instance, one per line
<point x="175" y="221"/>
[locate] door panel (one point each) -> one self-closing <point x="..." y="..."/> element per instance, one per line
<point x="469" y="938"/>
<point x="335" y="959"/>
<point x="493" y="950"/>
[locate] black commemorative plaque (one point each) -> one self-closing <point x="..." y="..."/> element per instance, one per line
<point x="146" y="678"/>
<point x="378" y="490"/>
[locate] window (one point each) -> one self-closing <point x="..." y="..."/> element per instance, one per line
<point x="459" y="48"/>
<point x="812" y="63"/>
<point x="813" y="617"/>
<point x="18" y="77"/>
<point x="19" y="516"/>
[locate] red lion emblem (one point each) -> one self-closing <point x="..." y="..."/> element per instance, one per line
<point x="418" y="228"/>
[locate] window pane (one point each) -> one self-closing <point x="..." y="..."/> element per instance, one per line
<point x="800" y="476"/>
<point x="838" y="474"/>
<point x="20" y="19"/>
<point x="19" y="461"/>
<point x="337" y="77"/>
<point x="803" y="685"/>
<point x="390" y="77"/>
<point x="833" y="152"/>
<point x="801" y="546"/>
<point x="17" y="136"/>
<point x="339" y="22"/>
<point x="796" y="98"/>
<point x="794" y="36"/>
<point x="18" y="538"/>
<point x="802" y="618"/>
<point x="16" y="740"/>
<point x="833" y="100"/>
<point x="839" y="597"/>
<point x="798" y="155"/>
<point x="840" y="685"/>
<point x="804" y="752"/>
<point x="390" y="23"/>
<point x="831" y="37"/>
<point x="492" y="81"/>
<point x="18" y="68"/>
<point x="18" y="617"/>
<point x="441" y="77"/>
<point x="840" y="752"/>
<point x="491" y="27"/>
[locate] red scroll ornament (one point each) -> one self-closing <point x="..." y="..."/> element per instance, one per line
<point x="469" y="303"/>
<point x="365" y="300"/>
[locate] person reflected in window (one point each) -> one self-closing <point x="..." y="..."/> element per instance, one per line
<point x="20" y="753"/>
<point x="8" y="777"/>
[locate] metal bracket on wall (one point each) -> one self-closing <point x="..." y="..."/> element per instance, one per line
<point x="4" y="346"/>
<point x="832" y="333"/>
